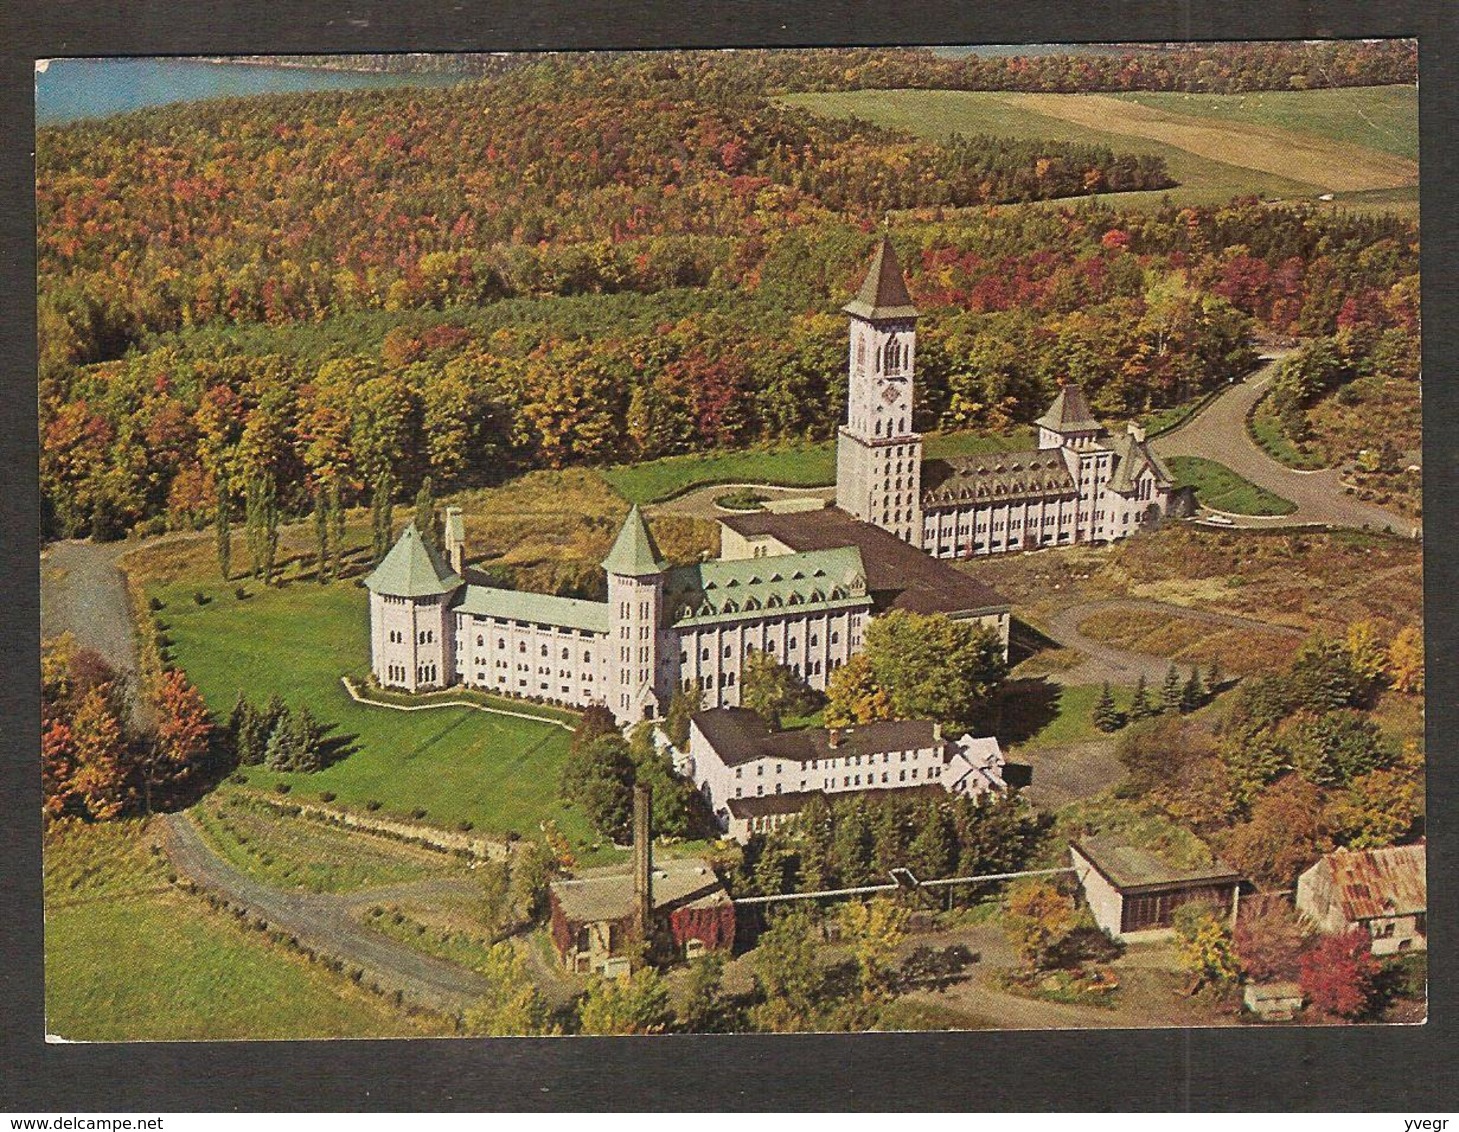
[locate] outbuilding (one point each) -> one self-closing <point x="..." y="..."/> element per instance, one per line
<point x="1383" y="890"/>
<point x="1133" y="892"/>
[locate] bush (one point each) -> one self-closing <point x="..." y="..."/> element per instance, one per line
<point x="155" y="604"/>
<point x="281" y="787"/>
<point x="465" y="826"/>
<point x="372" y="805"/>
<point x="326" y="795"/>
<point x="240" y="593"/>
<point x="1339" y="975"/>
<point x="418" y="813"/>
<point x="200" y="597"/>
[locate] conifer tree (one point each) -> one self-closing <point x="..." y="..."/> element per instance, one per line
<point x="425" y="514"/>
<point x="1170" y="690"/>
<point x="1214" y="677"/>
<point x="1193" y="695"/>
<point x="1140" y="706"/>
<point x="1106" y="716"/>
<point x="223" y="532"/>
<point x="321" y="537"/>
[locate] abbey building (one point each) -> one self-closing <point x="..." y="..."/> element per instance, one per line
<point x="799" y="582"/>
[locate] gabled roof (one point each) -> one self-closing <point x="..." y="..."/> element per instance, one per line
<point x="542" y="609"/>
<point x="634" y="553"/>
<point x="739" y="736"/>
<point x="1131" y="457"/>
<point x="1070" y="412"/>
<point x="412" y="569"/>
<point x="883" y="293"/>
<point x="760" y="587"/>
<point x="595" y="895"/>
<point x="1374" y="883"/>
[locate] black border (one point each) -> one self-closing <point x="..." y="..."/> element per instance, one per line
<point x="1359" y="1069"/>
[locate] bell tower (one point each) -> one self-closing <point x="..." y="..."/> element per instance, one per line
<point x="878" y="451"/>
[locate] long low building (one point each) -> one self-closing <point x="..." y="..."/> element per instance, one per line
<point x="753" y="778"/>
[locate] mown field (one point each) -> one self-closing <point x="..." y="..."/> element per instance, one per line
<point x="1303" y="143"/>
<point x="128" y="958"/>
<point x="1240" y="651"/>
<point x="297" y="640"/>
<point x="1221" y="489"/>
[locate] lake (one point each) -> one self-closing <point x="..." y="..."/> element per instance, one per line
<point x="69" y="89"/>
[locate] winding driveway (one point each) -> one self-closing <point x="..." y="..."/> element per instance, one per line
<point x="325" y="922"/>
<point x="1218" y="432"/>
<point x="1122" y="666"/>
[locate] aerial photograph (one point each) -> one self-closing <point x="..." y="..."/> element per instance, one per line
<point x="737" y="541"/>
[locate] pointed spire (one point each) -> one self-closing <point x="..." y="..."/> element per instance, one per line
<point x="412" y="569"/>
<point x="884" y="292"/>
<point x="1070" y="412"/>
<point x="634" y="554"/>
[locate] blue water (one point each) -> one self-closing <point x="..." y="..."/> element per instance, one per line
<point x="70" y="89"/>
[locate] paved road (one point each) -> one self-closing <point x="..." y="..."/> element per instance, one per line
<point x="324" y="920"/>
<point x="1219" y="433"/>
<point x="1122" y="666"/>
<point x="699" y="503"/>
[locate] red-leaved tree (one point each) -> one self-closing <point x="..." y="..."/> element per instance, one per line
<point x="1339" y="975"/>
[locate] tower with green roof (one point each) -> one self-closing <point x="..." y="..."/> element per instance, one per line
<point x="635" y="572"/>
<point x="412" y="632"/>
<point x="878" y="450"/>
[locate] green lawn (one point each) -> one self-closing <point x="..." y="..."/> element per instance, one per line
<point x="1221" y="489"/>
<point x="130" y="959"/>
<point x="793" y="465"/>
<point x="1379" y="117"/>
<point x="939" y="113"/>
<point x="456" y="763"/>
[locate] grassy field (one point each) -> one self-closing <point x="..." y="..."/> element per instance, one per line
<point x="458" y="764"/>
<point x="1239" y="651"/>
<point x="1291" y="149"/>
<point x="129" y="959"/>
<point x="1266" y="430"/>
<point x="797" y="465"/>
<point x="1379" y="117"/>
<point x="298" y="853"/>
<point x="1221" y="489"/>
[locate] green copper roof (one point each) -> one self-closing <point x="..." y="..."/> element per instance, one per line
<point x="884" y="293"/>
<point x="541" y="609"/>
<point x="1070" y="412"/>
<point x="634" y="554"/>
<point x="766" y="587"/>
<point x="412" y="569"/>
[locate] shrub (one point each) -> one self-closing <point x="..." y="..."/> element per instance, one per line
<point x="372" y="805"/>
<point x="240" y="593"/>
<point x="155" y="604"/>
<point x="239" y="779"/>
<point x="465" y="826"/>
<point x="281" y="787"/>
<point x="418" y="813"/>
<point x="200" y="597"/>
<point x="326" y="795"/>
<point x="1339" y="975"/>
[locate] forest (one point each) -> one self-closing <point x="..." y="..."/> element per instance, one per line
<point x="321" y="302"/>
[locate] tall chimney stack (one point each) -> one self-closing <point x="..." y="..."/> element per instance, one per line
<point x="455" y="539"/>
<point x="643" y="861"/>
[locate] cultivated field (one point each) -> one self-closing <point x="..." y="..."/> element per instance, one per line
<point x="1360" y="141"/>
<point x="129" y="958"/>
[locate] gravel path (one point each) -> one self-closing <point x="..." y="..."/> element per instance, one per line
<point x="1123" y="666"/>
<point x="1219" y="433"/>
<point x="324" y="920"/>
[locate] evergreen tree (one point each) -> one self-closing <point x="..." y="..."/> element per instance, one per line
<point x="249" y="731"/>
<point x="308" y="741"/>
<point x="1214" y="677"/>
<point x="1193" y="695"/>
<point x="382" y="512"/>
<point x="337" y="524"/>
<point x="425" y="514"/>
<point x="1170" y="690"/>
<point x="281" y="753"/>
<point x="1106" y="715"/>
<point x="1140" y="706"/>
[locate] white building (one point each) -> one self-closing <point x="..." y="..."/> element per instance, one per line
<point x="1079" y="485"/>
<point x="1382" y="890"/>
<point x="753" y="778"/>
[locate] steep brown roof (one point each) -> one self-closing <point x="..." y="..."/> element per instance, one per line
<point x="1070" y="412"/>
<point x="996" y="478"/>
<point x="1373" y="883"/>
<point x="883" y="293"/>
<point x="898" y="574"/>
